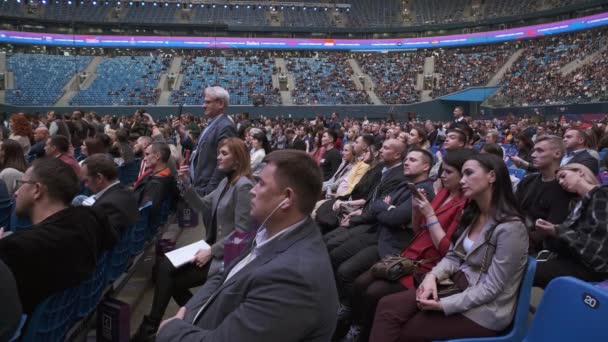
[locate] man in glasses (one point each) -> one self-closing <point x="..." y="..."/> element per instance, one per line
<point x="61" y="248"/>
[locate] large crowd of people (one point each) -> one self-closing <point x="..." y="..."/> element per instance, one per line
<point x="327" y="205"/>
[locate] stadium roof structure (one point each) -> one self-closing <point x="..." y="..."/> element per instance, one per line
<point x="476" y="94"/>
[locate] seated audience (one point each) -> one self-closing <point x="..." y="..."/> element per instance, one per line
<point x="91" y="146"/>
<point x="41" y="134"/>
<point x="124" y="148"/>
<point x="498" y="151"/>
<point x="61" y="248"/>
<point x="382" y="229"/>
<point x="58" y="146"/>
<point x="417" y="138"/>
<point x="114" y="199"/>
<point x="579" y="245"/>
<point x="337" y="183"/>
<point x="224" y="210"/>
<point x="576" y="142"/>
<point x="259" y="148"/>
<point x="433" y="224"/>
<point x="10" y="310"/>
<point x="12" y="163"/>
<point x="21" y="131"/>
<point x="280" y="288"/>
<point x="361" y="165"/>
<point x="539" y="194"/>
<point x="156" y="183"/>
<point x="486" y="263"/>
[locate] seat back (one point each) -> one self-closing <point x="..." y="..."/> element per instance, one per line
<point x="570" y="310"/>
<point x="519" y="173"/>
<point x="140" y="233"/>
<point x="120" y="255"/>
<point x="92" y="289"/>
<point x="52" y="318"/>
<point x="17" y="333"/>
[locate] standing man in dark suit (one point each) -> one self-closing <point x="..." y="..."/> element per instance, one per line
<point x="119" y="204"/>
<point x="294" y="142"/>
<point x="281" y="287"/>
<point x="203" y="170"/>
<point x="458" y="117"/>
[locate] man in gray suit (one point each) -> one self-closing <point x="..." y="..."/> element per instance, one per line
<point x="281" y="288"/>
<point x="203" y="170"/>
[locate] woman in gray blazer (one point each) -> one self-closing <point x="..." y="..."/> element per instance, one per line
<point x="486" y="263"/>
<point x="224" y="211"/>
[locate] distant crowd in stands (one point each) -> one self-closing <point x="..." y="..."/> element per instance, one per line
<point x="350" y="194"/>
<point x="540" y="64"/>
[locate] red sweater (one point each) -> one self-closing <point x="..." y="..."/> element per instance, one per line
<point x="422" y="246"/>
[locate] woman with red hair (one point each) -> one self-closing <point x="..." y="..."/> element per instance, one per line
<point x="21" y="131"/>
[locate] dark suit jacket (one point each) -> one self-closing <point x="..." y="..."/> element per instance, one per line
<point x="120" y="206"/>
<point x="586" y="159"/>
<point x="287" y="293"/>
<point x="206" y="176"/>
<point x="297" y="144"/>
<point x="37" y="150"/>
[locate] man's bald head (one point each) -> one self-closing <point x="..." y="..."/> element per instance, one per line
<point x="392" y="151"/>
<point x="41" y="134"/>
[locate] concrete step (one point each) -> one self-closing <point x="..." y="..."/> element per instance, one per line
<point x="575" y="64"/>
<point x="495" y="80"/>
<point x="367" y="84"/>
<point x="163" y="99"/>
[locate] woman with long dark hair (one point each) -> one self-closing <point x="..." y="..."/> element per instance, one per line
<point x="260" y="147"/>
<point x="417" y="138"/>
<point x="486" y="264"/>
<point x="12" y="163"/>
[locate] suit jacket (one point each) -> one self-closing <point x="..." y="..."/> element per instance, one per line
<point x="297" y="144"/>
<point x="394" y="226"/>
<point x="222" y="214"/>
<point x="206" y="176"/>
<point x="287" y="293"/>
<point x="37" y="150"/>
<point x="491" y="298"/>
<point x="585" y="158"/>
<point x="120" y="206"/>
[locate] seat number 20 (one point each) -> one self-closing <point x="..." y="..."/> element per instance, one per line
<point x="590" y="301"/>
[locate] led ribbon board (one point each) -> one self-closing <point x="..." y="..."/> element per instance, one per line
<point x="15" y="37"/>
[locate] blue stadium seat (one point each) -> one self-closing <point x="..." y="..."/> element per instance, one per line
<point x="127" y="173"/>
<point x="602" y="155"/>
<point x="140" y="233"/>
<point x="92" y="289"/>
<point x="518" y="328"/>
<point x="519" y="173"/>
<point x="570" y="310"/>
<point x="52" y="318"/>
<point x="17" y="333"/>
<point x="120" y="255"/>
<point x="6" y="212"/>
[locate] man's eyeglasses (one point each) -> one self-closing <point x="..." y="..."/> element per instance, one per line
<point x="20" y="182"/>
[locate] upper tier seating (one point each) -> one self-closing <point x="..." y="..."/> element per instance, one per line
<point x="39" y="79"/>
<point x="468" y="67"/>
<point x="124" y="80"/>
<point x="394" y="75"/>
<point x="243" y="77"/>
<point x="324" y="80"/>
